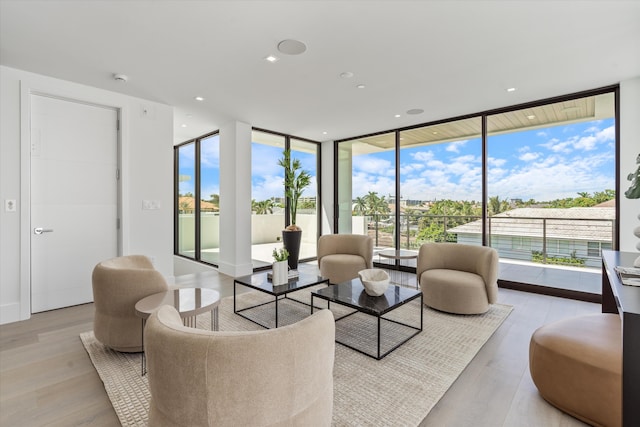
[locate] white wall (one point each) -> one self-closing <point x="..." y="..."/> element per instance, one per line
<point x="629" y="152"/>
<point x="146" y="173"/>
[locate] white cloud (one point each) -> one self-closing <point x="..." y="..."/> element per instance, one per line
<point x="423" y="156"/>
<point x="493" y="162"/>
<point x="527" y="157"/>
<point x="582" y="143"/>
<point x="552" y="178"/>
<point x="455" y="146"/>
<point x="372" y="165"/>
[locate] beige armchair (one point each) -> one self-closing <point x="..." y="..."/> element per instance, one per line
<point x="118" y="284"/>
<point x="274" y="377"/>
<point x="341" y="256"/>
<point x="457" y="278"/>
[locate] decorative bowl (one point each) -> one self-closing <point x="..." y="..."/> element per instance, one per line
<point x="374" y="280"/>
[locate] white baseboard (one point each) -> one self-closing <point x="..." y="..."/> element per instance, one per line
<point x="10" y="313"/>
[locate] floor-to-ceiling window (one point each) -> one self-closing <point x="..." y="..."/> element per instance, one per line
<point x="440" y="181"/>
<point x="268" y="196"/>
<point x="197" y="197"/>
<point x="210" y="199"/>
<point x="366" y="187"/>
<point x="197" y="181"/>
<point x="185" y="242"/>
<point x="307" y="215"/>
<point x="551" y="183"/>
<point x="536" y="182"/>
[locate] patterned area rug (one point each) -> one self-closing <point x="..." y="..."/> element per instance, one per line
<point x="398" y="390"/>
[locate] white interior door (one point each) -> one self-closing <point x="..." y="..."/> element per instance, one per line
<point x="74" y="198"/>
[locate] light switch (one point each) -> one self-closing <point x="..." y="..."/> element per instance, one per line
<point x="150" y="205"/>
<point x="10" y="205"/>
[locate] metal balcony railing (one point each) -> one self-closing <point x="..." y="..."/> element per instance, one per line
<point x="564" y="241"/>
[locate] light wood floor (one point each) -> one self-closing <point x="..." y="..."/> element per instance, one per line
<point x="46" y="377"/>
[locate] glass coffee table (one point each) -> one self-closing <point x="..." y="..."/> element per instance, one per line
<point x="400" y="255"/>
<point x="307" y="277"/>
<point x="361" y="332"/>
<point x="189" y="302"/>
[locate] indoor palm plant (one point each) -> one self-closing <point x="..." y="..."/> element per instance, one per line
<point x="296" y="180"/>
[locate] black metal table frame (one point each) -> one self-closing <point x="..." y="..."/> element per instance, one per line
<point x="379" y="317"/>
<point x="275" y="300"/>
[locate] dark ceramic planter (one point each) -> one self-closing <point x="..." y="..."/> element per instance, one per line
<point x="291" y="242"/>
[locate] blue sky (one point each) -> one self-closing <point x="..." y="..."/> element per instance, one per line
<point x="541" y="164"/>
<point x="267" y="176"/>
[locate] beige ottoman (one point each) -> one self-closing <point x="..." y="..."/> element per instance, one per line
<point x="577" y="366"/>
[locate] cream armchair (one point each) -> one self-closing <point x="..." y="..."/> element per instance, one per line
<point x="274" y="377"/>
<point x="341" y="256"/>
<point x="458" y="278"/>
<point x="118" y="284"/>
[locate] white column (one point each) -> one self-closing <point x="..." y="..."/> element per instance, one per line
<point x="235" y="199"/>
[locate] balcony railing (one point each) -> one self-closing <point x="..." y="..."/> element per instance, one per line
<point x="564" y="241"/>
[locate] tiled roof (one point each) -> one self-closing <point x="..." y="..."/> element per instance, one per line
<point x="594" y="223"/>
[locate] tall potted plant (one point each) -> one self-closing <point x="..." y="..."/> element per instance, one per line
<point x="296" y="180"/>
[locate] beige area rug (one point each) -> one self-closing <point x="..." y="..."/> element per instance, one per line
<point x="398" y="390"/>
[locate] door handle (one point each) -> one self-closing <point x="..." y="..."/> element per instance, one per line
<point x="40" y="230"/>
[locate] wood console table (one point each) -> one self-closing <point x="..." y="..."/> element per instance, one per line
<point x="625" y="300"/>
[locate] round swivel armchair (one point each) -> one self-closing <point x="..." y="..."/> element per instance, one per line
<point x="272" y="377"/>
<point x="457" y="278"/>
<point x="118" y="284"/>
<point x="342" y="256"/>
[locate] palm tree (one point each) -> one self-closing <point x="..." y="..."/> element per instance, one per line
<point x="360" y="206"/>
<point x="264" y="207"/>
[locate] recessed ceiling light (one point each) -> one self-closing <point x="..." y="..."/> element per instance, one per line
<point x="183" y="125"/>
<point x="435" y="132"/>
<point x="511" y="89"/>
<point x="396" y="116"/>
<point x="346" y="75"/>
<point x="415" y="111"/>
<point x="361" y="86"/>
<point x="271" y="58"/>
<point x="199" y="98"/>
<point x="531" y="117"/>
<point x="324" y="133"/>
<point x="120" y="78"/>
<point x="292" y="47"/>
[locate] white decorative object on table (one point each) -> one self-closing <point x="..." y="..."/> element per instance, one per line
<point x="280" y="274"/>
<point x="374" y="280"/>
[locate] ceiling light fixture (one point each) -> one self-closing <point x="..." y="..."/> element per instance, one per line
<point x="183" y="126"/>
<point x="361" y="86"/>
<point x="324" y="133"/>
<point x="531" y="117"/>
<point x="292" y="47"/>
<point x="199" y="98"/>
<point x="346" y="75"/>
<point x="271" y="58"/>
<point x="415" y="111"/>
<point x="511" y="89"/>
<point x="396" y="116"/>
<point x="120" y="78"/>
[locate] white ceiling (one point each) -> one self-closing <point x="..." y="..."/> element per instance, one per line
<point x="447" y="57"/>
